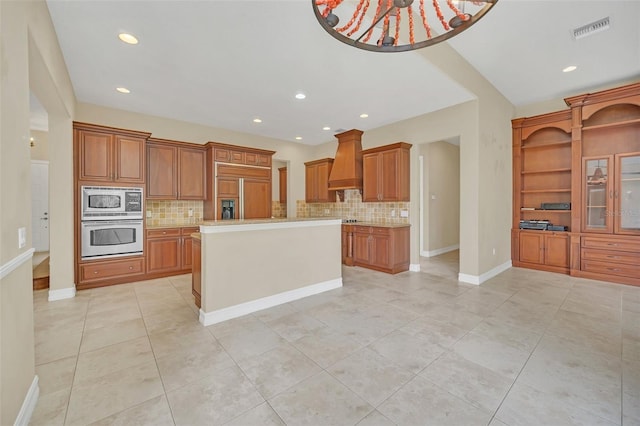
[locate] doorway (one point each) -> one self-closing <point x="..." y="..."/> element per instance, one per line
<point x="440" y="207"/>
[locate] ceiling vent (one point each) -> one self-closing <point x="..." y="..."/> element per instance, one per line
<point x="592" y="28"/>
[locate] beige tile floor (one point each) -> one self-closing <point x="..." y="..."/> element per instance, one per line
<point x="525" y="348"/>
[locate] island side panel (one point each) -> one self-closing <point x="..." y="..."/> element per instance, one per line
<point x="245" y="266"/>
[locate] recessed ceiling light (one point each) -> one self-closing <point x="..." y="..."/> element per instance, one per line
<point x="257" y="120"/>
<point x="300" y="95"/>
<point x="326" y="128"/>
<point x="128" y="38"/>
<point x="123" y="90"/>
<point x="570" y="68"/>
<point x="364" y="115"/>
<point x="298" y="138"/>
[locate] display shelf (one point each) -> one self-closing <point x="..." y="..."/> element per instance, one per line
<point x="611" y="125"/>
<point x="542" y="191"/>
<point x="546" y="145"/>
<point x="536" y="172"/>
<point x="542" y="210"/>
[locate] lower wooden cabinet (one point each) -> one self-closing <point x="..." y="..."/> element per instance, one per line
<point x="196" y="274"/>
<point x="606" y="256"/>
<point x="169" y="251"/>
<point x="99" y="273"/>
<point x="549" y="250"/>
<point x="381" y="248"/>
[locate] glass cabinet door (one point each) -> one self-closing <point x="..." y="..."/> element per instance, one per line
<point x="627" y="194"/>
<point x="598" y="193"/>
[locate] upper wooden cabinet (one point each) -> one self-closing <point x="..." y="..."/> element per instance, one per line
<point x="175" y="170"/>
<point x="317" y="181"/>
<point x="385" y="172"/>
<point x="106" y="154"/>
<point x="282" y="174"/>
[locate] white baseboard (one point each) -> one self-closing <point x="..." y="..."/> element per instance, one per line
<point x="11" y="265"/>
<point x="439" y="251"/>
<point x="29" y="404"/>
<point x="414" y="267"/>
<point x="479" y="279"/>
<point x="214" y="317"/>
<point x="63" y="293"/>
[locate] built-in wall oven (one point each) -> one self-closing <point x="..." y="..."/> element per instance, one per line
<point x="111" y="222"/>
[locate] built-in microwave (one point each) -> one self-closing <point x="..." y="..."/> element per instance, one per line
<point x="111" y="238"/>
<point x="109" y="203"/>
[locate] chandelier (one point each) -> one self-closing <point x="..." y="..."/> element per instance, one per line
<point x="355" y="23"/>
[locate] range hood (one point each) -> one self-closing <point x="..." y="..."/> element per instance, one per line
<point x="346" y="172"/>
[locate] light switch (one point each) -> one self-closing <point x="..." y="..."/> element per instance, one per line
<point x="190" y="212"/>
<point x="22" y="237"/>
<point x="148" y="213"/>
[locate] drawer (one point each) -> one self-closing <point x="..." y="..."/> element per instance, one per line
<point x="611" y="256"/>
<point x="111" y="269"/>
<point x="611" y="244"/>
<point x="190" y="230"/>
<point x="163" y="232"/>
<point x="381" y="231"/>
<point x="377" y="230"/>
<point x="611" y="268"/>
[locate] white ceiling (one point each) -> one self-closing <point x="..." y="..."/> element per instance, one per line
<point x="224" y="63"/>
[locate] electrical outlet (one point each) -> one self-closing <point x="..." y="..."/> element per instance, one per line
<point x="190" y="213"/>
<point x="22" y="237"/>
<point x="404" y="213"/>
<point x="326" y="211"/>
<point x="148" y="213"/>
<point x="393" y="213"/>
<point x="494" y="251"/>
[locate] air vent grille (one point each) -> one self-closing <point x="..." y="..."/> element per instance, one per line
<point x="592" y="28"/>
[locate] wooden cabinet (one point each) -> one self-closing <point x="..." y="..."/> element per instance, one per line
<point x="545" y="248"/>
<point x="175" y="170"/>
<point x="282" y="184"/>
<point x="384" y="249"/>
<point x="542" y="165"/>
<point x="105" y="272"/>
<point x="169" y="251"/>
<point x="317" y="181"/>
<point x="241" y="174"/>
<point x="111" y="155"/>
<point x="587" y="157"/>
<point x="386" y="173"/>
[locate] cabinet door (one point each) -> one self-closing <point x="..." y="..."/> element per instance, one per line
<point x="163" y="254"/>
<point x="228" y="187"/>
<point x="388" y="176"/>
<point x="282" y="174"/>
<point x="556" y="250"/>
<point x="129" y="159"/>
<point x="381" y="251"/>
<point x="597" y="195"/>
<point x="95" y="156"/>
<point x="532" y="247"/>
<point x="627" y="194"/>
<point x="187" y="252"/>
<point x="191" y="174"/>
<point x="162" y="172"/>
<point x="311" y="184"/>
<point x="361" y="248"/>
<point x="370" y="190"/>
<point x="322" y="183"/>
<point x="257" y="199"/>
<point x="196" y="274"/>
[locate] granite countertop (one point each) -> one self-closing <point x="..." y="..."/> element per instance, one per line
<point x="176" y="225"/>
<point x="379" y="224"/>
<point x="264" y="221"/>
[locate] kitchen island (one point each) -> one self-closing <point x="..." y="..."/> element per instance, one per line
<point x="249" y="265"/>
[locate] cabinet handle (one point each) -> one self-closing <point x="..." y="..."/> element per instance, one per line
<point x="95" y="272"/>
<point x="613" y="257"/>
<point x="614" y="269"/>
<point x="130" y="267"/>
<point x="613" y="244"/>
<point x="164" y="232"/>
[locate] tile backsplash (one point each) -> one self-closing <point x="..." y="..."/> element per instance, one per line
<point x="352" y="207"/>
<point x="173" y="212"/>
<point x="278" y="209"/>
